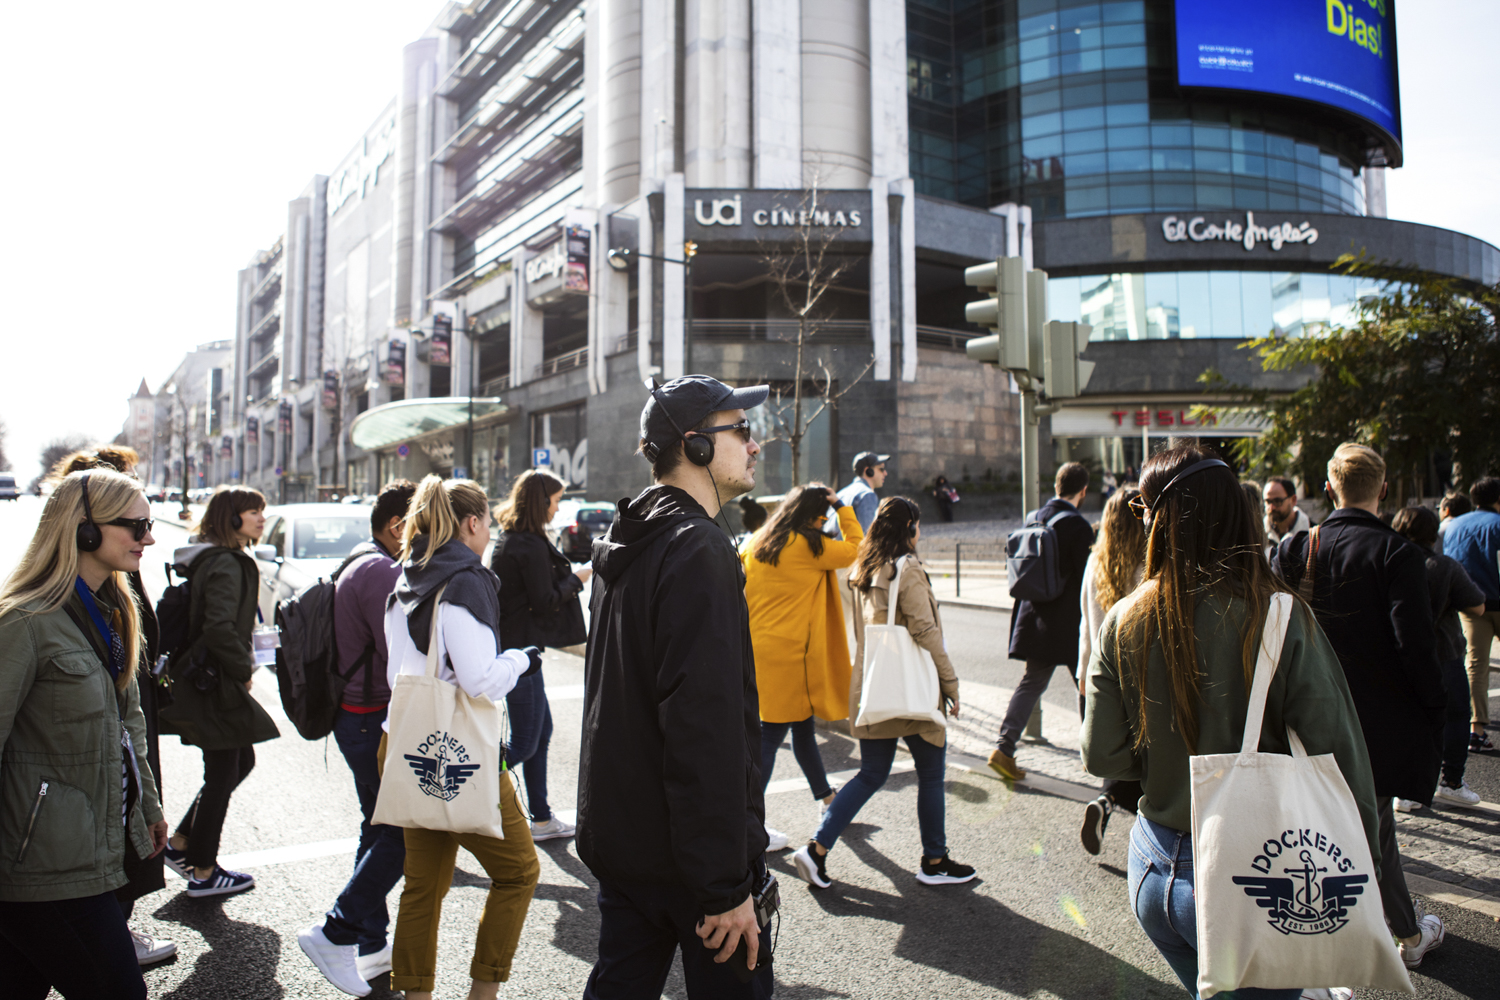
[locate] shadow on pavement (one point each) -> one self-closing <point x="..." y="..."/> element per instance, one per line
<point x="241" y="955"/>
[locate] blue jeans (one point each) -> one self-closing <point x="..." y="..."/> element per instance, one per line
<point x="1160" y="877"/>
<point x="804" y="748"/>
<point x="359" y="916"/>
<point x="875" y="759"/>
<point x="1456" y="728"/>
<point x="530" y="733"/>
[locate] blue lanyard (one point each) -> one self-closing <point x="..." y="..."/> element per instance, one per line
<point x="92" y="607"/>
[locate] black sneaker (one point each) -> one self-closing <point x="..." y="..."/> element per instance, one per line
<point x="1480" y="742"/>
<point x="944" y="871"/>
<point x="1095" y="821"/>
<point x="812" y="866"/>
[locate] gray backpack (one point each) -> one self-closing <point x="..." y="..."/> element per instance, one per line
<point x="1032" y="560"/>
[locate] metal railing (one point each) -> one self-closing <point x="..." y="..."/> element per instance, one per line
<point x="938" y="336"/>
<point x="495" y="386"/>
<point x="982" y="560"/>
<point x="564" y="362"/>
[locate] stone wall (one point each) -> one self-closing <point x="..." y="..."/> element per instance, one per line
<point x="958" y="415"/>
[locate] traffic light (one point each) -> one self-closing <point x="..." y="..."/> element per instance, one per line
<point x="1004" y="312"/>
<point x="1065" y="373"/>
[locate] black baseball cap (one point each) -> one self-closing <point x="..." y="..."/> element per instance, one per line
<point x="681" y="404"/>
<point x="867" y="460"/>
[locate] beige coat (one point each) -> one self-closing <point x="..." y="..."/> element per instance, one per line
<point x="917" y="609"/>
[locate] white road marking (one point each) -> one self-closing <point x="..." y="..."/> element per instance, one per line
<point x="286" y="855"/>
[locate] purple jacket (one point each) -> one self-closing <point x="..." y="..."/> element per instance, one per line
<point x="359" y="622"/>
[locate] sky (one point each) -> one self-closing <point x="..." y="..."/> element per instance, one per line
<point x="151" y="155"/>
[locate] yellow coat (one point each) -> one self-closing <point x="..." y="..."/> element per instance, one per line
<point x="797" y="626"/>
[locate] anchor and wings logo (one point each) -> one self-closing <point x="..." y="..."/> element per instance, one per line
<point x="1301" y="903"/>
<point x="441" y="776"/>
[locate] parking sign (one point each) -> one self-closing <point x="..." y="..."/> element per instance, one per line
<point x="541" y="457"/>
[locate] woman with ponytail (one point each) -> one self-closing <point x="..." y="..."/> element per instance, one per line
<point x="442" y="550"/>
<point x="76" y="790"/>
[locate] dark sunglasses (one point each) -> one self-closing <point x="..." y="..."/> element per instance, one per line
<point x="743" y="427"/>
<point x="140" y="527"/>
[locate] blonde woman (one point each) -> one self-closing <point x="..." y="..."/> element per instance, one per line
<point x="1115" y="568"/>
<point x="447" y="530"/>
<point x="211" y="677"/>
<point x="79" y="795"/>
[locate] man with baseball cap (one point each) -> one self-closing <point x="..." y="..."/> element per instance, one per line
<point x="860" y="495"/>
<point x="671" y="818"/>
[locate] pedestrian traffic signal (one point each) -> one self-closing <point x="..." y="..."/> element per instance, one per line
<point x="1065" y="373"/>
<point x="1004" y="312"/>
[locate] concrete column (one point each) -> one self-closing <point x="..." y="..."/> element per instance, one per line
<point x="645" y="286"/>
<point x="880" y="279"/>
<point x="776" y="80"/>
<point x="888" y="131"/>
<point x="1375" y="192"/>
<point x="906" y="266"/>
<point x="525" y="325"/>
<point x="609" y="313"/>
<point x="658" y="75"/>
<point x="294" y="295"/>
<point x="716" y="93"/>
<point x="672" y="286"/>
<point x="414" y="120"/>
<point x="836" y="79"/>
<point x="617" y="23"/>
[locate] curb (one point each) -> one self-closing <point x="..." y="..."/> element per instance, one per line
<point x="958" y="602"/>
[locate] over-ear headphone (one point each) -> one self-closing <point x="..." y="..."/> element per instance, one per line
<point x="236" y="521"/>
<point x="697" y="448"/>
<point x="914" y="512"/>
<point x="89" y="536"/>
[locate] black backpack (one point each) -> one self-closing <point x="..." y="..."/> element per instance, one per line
<point x="1031" y="559"/>
<point x="307" y="663"/>
<point x="174" y="611"/>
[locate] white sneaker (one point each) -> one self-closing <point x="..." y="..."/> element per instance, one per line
<point x="339" y="963"/>
<point x="553" y="829"/>
<point x="1328" y="993"/>
<point x="779" y="840"/>
<point x="150" y="950"/>
<point x="1406" y="805"/>
<point x="1432" y="934"/>
<point x="375" y="964"/>
<point x="1463" y="795"/>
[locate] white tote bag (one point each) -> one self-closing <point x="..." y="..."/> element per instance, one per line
<point x="900" y="680"/>
<point x="442" y="765"/>
<point x="1284" y="883"/>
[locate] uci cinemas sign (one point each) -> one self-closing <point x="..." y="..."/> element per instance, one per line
<point x="1248" y="233"/>
<point x="753" y="214"/>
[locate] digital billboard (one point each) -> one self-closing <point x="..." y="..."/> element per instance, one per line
<point x="1336" y="52"/>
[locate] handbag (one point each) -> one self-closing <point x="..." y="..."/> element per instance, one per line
<point x="900" y="680"/>
<point x="449" y="742"/>
<point x="1285" y="885"/>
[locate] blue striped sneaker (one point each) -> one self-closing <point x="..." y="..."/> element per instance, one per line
<point x="221" y="883"/>
<point x="177" y="861"/>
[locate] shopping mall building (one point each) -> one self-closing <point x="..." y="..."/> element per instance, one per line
<point x="1180" y="171"/>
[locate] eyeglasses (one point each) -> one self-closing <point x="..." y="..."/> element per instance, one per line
<point x="743" y="427"/>
<point x="140" y="527"/>
<point x="1139" y="507"/>
<point x="1277" y="501"/>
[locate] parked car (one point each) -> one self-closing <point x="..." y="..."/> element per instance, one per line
<point x="8" y="489"/>
<point x="575" y="525"/>
<point x="303" y="542"/>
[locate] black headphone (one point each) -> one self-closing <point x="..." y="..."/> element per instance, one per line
<point x="698" y="448"/>
<point x="89" y="536"/>
<point x="1194" y="469"/>
<point x="236" y="521"/>
<point x="914" y="512"/>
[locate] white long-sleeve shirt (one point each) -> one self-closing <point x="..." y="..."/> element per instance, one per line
<point x="1093" y="614"/>
<point x="469" y="643"/>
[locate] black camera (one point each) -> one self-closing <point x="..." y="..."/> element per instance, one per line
<point x="767" y="896"/>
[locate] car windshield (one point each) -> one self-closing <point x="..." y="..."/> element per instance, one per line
<point x="327" y="537"/>
<point x="595" y="518"/>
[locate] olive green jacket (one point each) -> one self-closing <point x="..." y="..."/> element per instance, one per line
<point x="61" y="835"/>
<point x="223" y="584"/>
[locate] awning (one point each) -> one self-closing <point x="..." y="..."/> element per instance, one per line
<point x="392" y="423"/>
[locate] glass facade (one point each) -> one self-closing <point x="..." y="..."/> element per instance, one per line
<point x="1070" y="107"/>
<point x="1197" y="304"/>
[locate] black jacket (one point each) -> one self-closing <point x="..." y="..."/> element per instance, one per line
<point x="669" y="789"/>
<point x="1048" y="631"/>
<point x="1370" y="597"/>
<point x="538" y="592"/>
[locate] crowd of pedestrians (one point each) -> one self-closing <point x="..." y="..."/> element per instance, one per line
<point x="700" y="662"/>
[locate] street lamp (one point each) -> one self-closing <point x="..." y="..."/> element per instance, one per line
<point x="620" y="257"/>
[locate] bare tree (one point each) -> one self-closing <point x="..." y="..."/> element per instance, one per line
<point x="804" y="270"/>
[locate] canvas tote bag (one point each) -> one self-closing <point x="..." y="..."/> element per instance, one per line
<point x="900" y="680"/>
<point x="442" y="767"/>
<point x="1285" y="887"/>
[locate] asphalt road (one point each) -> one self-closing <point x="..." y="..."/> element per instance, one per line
<point x="1043" y="919"/>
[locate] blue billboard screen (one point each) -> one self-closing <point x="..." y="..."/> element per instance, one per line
<point x="1336" y="52"/>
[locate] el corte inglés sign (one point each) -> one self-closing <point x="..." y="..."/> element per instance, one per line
<point x="1200" y="229"/>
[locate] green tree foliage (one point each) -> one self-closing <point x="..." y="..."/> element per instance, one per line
<point x="1417" y="377"/>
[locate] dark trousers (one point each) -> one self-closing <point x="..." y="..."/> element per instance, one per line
<point x="1395" y="898"/>
<point x="1028" y="693"/>
<point x="359" y="916"/>
<point x="223" y="770"/>
<point x="1456" y="728"/>
<point x="804" y="748"/>
<point x="530" y="735"/>
<point x="640" y="928"/>
<point x="80" y="947"/>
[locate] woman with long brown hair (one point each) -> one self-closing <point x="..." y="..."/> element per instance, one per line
<point x="797" y="628"/>
<point x="539" y="606"/>
<point x="1170" y="676"/>
<point x="1115" y="568"/>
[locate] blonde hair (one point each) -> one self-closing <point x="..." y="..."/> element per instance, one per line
<point x="49" y="567"/>
<point x="1356" y="472"/>
<point x="437" y="509"/>
<point x="1120" y="550"/>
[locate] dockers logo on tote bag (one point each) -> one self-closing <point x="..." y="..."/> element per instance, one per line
<point x="441" y="775"/>
<point x="1308" y="900"/>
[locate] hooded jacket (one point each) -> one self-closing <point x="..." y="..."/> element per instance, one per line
<point x="470" y="585"/>
<point x="669" y="789"/>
